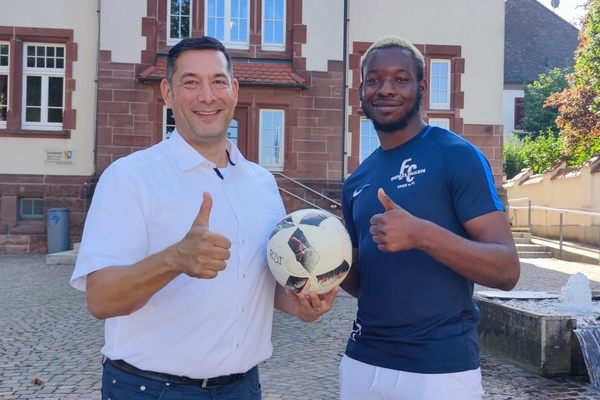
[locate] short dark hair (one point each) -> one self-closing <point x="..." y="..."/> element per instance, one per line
<point x="197" y="43"/>
<point x="392" y="41"/>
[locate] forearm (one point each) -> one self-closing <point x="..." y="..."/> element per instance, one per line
<point x="306" y="307"/>
<point x="491" y="264"/>
<point x="282" y="301"/>
<point x="120" y="290"/>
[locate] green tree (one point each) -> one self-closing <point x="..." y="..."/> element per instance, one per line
<point x="513" y="160"/>
<point x="538" y="153"/>
<point x="537" y="118"/>
<point x="543" y="151"/>
<point x="579" y="104"/>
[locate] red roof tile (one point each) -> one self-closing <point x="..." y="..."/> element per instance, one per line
<point x="247" y="73"/>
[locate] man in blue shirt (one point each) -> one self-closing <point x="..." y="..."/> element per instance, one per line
<point x="426" y="224"/>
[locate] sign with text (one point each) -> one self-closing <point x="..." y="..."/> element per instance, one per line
<point x="59" y="157"/>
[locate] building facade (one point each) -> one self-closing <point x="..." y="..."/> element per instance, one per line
<point x="80" y="87"/>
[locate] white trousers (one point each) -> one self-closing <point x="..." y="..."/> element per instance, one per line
<point x="360" y="381"/>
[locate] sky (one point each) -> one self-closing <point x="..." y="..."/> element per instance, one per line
<point x="569" y="10"/>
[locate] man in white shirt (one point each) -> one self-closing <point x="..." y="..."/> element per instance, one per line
<point x="173" y="251"/>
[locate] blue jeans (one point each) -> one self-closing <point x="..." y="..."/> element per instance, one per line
<point x="121" y="385"/>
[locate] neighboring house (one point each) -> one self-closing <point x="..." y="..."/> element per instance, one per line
<point x="79" y="88"/>
<point x="536" y="40"/>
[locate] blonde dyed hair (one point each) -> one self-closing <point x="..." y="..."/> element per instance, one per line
<point x="392" y="41"/>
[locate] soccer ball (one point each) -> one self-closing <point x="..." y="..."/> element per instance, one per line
<point x="309" y="250"/>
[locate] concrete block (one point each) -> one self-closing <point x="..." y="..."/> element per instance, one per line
<point x="543" y="344"/>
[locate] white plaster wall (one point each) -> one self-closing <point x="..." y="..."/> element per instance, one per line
<point x="27" y="155"/>
<point x="509" y="110"/>
<point x="477" y="26"/>
<point x="325" y="32"/>
<point x="121" y="29"/>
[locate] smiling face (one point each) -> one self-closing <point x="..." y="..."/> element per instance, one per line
<point x="202" y="95"/>
<point x="390" y="92"/>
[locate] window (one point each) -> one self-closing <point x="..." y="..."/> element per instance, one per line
<point x="232" y="132"/>
<point x="43" y="86"/>
<point x="271" y="139"/>
<point x="168" y="122"/>
<point x="273" y="25"/>
<point x="441" y="122"/>
<point x="228" y="21"/>
<point x="519" y="114"/>
<point x="179" y="23"/>
<point x="4" y="71"/>
<point x="31" y="209"/>
<point x="369" y="140"/>
<point x="439" y="88"/>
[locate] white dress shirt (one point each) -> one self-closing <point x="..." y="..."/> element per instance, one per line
<point x="199" y="328"/>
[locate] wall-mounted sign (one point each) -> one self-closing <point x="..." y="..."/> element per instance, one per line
<point x="59" y="157"/>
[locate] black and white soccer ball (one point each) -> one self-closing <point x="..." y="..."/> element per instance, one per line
<point x="309" y="250"/>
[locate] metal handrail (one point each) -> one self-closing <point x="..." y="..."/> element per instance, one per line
<point x="309" y="189"/>
<point x="561" y="211"/>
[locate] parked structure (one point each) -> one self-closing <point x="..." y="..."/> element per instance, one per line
<point x="79" y="88"/>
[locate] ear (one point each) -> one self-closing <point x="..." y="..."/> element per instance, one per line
<point x="166" y="91"/>
<point x="235" y="87"/>
<point x="423" y="86"/>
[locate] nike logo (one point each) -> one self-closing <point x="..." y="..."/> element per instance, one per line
<point x="357" y="191"/>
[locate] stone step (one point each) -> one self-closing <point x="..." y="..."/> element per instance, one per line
<point x="63" y="257"/>
<point x="526" y="248"/>
<point x="520" y="240"/>
<point x="534" y="254"/>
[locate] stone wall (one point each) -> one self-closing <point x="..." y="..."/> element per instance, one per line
<point x="568" y="193"/>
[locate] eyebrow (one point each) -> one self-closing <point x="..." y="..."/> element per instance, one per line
<point x="195" y="75"/>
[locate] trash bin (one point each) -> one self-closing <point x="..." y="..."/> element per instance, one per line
<point x="58" y="230"/>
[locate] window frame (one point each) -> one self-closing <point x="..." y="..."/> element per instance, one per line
<point x="31" y="216"/>
<point x="274" y="46"/>
<point x="174" y="40"/>
<point x="518" y="113"/>
<point x="234" y="125"/>
<point x="227" y="21"/>
<point x="46" y="74"/>
<point x="278" y="166"/>
<point x="166" y="133"/>
<point x="5" y="71"/>
<point x="433" y="90"/>
<point x="372" y="133"/>
<point x="441" y="122"/>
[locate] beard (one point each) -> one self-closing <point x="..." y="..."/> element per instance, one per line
<point x="398" y="124"/>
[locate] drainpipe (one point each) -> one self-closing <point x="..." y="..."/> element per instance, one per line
<point x="98" y="12"/>
<point x="345" y="92"/>
<point x="88" y="184"/>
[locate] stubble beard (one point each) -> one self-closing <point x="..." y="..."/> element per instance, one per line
<point x="400" y="123"/>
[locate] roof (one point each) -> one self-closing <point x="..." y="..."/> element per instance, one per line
<point x="248" y="73"/>
<point x="536" y="40"/>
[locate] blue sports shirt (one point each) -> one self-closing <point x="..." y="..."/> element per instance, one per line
<point x="414" y="313"/>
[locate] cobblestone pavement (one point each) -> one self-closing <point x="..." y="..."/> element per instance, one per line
<point x="49" y="344"/>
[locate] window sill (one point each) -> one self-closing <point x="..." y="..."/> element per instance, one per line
<point x="35" y="134"/>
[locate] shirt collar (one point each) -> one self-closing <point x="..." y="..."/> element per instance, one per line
<point x="188" y="158"/>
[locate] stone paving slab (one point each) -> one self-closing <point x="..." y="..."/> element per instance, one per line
<point x="50" y="345"/>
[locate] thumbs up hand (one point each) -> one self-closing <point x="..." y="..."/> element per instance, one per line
<point x="395" y="229"/>
<point x="202" y="253"/>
